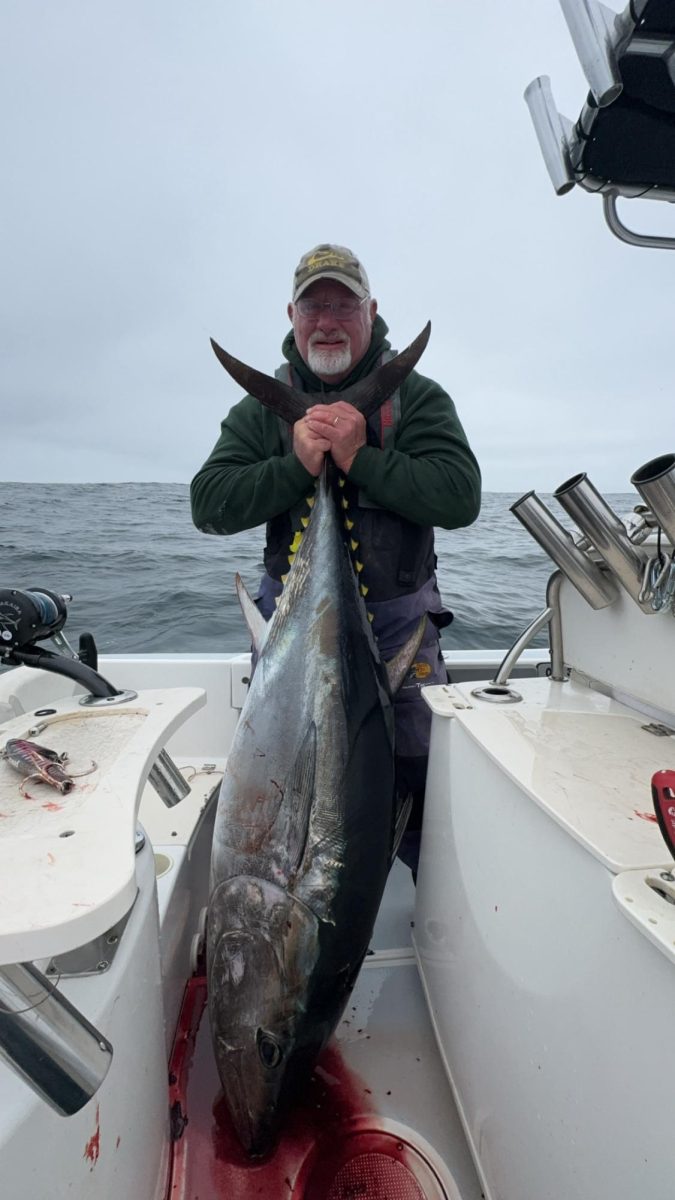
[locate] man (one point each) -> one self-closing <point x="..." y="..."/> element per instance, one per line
<point x="406" y="469"/>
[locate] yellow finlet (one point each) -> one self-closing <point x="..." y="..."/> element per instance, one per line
<point x="295" y="544"/>
<point x="371" y="617"/>
<point x="341" y="481"/>
<point x="291" y="559"/>
<point x="304" y="521"/>
<point x="310" y="501"/>
<point x="284" y="578"/>
<point x="344" y="502"/>
<point x="354" y="545"/>
<point x="364" y="589"/>
<point x="359" y="567"/>
<point x="348" y="524"/>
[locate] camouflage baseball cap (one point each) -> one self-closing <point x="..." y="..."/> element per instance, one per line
<point x="331" y="262"/>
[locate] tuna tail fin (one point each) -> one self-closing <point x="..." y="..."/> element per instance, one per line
<point x="367" y="395"/>
<point x="370" y="393"/>
<point x="285" y="401"/>
<point x="397" y="668"/>
<point x="257" y="625"/>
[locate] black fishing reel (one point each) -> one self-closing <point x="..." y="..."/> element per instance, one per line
<point x="30" y="616"/>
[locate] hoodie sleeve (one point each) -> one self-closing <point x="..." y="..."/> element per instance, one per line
<point x="248" y="478"/>
<point x="431" y="475"/>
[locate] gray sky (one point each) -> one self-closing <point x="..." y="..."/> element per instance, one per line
<point x="165" y="165"/>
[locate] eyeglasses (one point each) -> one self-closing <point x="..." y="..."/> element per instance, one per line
<point x="342" y="309"/>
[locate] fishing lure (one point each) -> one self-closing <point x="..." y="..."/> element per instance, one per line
<point x="40" y="763"/>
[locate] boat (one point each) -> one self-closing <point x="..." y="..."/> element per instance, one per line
<point x="507" y="1037"/>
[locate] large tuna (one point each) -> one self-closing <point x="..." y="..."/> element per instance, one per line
<point x="307" y="821"/>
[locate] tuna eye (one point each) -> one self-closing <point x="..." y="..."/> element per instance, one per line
<point x="269" y="1050"/>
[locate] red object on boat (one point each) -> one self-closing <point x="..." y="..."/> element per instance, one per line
<point x="663" y="795"/>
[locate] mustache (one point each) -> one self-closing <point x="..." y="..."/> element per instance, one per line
<point x="340" y="340"/>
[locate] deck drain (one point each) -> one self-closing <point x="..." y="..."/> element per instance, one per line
<point x="374" y="1164"/>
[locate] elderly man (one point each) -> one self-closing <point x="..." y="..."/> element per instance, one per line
<point x="406" y="469"/>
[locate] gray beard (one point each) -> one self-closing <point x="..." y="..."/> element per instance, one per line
<point x="330" y="362"/>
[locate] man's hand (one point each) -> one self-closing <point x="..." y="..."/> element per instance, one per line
<point x="340" y="427"/>
<point x="309" y="446"/>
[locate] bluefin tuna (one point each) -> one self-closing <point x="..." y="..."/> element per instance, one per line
<point x="307" y="821"/>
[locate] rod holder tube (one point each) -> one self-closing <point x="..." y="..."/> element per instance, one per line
<point x="593" y="29"/>
<point x="597" y="588"/>
<point x="655" y="481"/>
<point x="47" y="1041"/>
<point x="584" y="504"/>
<point x="167" y="780"/>
<point x="554" y="133"/>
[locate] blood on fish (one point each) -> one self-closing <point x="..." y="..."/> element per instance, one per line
<point x="645" y="816"/>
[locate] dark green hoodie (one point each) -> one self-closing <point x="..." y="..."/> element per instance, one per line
<point x="430" y="476"/>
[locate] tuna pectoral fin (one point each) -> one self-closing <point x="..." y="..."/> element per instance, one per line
<point x="301" y="785"/>
<point x="399" y="665"/>
<point x="257" y="625"/>
<point x="402" y="815"/>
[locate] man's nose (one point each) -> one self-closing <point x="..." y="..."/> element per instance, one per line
<point x="325" y="320"/>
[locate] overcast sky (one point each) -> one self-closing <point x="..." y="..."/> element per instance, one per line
<point x="165" y="165"/>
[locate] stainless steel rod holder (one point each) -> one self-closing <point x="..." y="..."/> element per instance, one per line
<point x="47" y="1041"/>
<point x="167" y="780"/>
<point x="584" y="504"/>
<point x="597" y="588"/>
<point x="655" y="481"/>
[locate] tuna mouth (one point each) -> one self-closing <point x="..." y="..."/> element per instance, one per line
<point x="257" y="1127"/>
<point x="257" y="1136"/>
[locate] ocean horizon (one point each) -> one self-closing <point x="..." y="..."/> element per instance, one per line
<point x="144" y="579"/>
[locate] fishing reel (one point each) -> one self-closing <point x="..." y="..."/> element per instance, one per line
<point x="29" y="616"/>
<point x="34" y="614"/>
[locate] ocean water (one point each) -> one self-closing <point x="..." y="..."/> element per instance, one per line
<point x="144" y="579"/>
